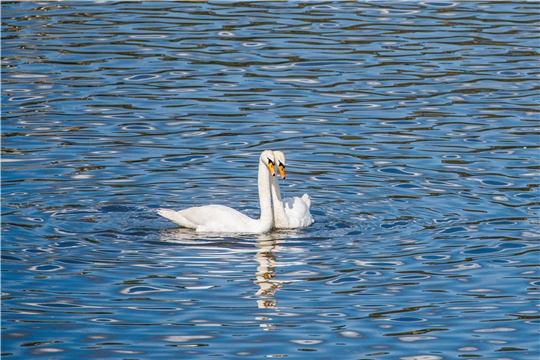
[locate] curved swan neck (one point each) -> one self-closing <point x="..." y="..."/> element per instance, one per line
<point x="263" y="182"/>
<point x="279" y="212"/>
<point x="276" y="193"/>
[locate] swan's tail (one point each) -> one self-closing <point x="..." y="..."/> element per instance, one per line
<point x="306" y="199"/>
<point x="176" y="218"/>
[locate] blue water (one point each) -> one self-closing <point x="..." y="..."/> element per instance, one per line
<point x="413" y="126"/>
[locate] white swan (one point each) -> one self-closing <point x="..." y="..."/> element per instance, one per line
<point x="291" y="213"/>
<point x="219" y="218"/>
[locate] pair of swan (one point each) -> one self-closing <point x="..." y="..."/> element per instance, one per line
<point x="285" y="214"/>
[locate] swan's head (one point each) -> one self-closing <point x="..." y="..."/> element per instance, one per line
<point x="280" y="162"/>
<point x="267" y="158"/>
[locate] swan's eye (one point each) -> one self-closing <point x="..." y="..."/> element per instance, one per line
<point x="270" y="162"/>
<point x="281" y="165"/>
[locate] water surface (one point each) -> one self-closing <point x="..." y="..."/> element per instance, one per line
<point x="413" y="126"/>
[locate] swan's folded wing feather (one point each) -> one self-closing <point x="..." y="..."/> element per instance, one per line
<point x="211" y="218"/>
<point x="177" y="218"/>
<point x="307" y="200"/>
<point x="297" y="210"/>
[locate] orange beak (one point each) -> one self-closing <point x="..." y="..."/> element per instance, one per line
<point x="282" y="171"/>
<point x="272" y="168"/>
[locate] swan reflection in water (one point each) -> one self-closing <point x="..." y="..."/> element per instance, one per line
<point x="267" y="246"/>
<point x="266" y="272"/>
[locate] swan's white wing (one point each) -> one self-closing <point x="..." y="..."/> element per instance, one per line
<point x="307" y="200"/>
<point x="297" y="210"/>
<point x="176" y="218"/>
<point x="211" y="218"/>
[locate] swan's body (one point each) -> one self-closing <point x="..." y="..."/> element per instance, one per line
<point x="290" y="213"/>
<point x="219" y="218"/>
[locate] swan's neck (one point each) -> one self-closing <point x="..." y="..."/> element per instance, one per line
<point x="279" y="212"/>
<point x="267" y="217"/>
